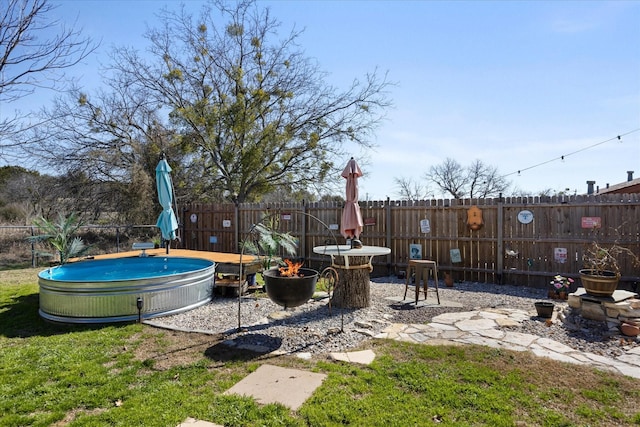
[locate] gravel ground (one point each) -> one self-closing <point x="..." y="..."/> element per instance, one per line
<point x="314" y="328"/>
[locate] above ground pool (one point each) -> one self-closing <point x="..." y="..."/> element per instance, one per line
<point x="124" y="289"/>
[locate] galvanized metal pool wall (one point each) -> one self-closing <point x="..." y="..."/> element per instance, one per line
<point x="106" y="294"/>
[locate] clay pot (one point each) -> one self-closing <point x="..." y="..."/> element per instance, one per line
<point x="629" y="330"/>
<point x="448" y="280"/>
<point x="544" y="309"/>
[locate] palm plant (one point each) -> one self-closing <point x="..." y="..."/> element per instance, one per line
<point x="61" y="235"/>
<point x="269" y="242"/>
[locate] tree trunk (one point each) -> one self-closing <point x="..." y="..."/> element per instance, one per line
<point x="352" y="290"/>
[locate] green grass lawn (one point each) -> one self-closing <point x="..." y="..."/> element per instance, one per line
<point x="135" y="375"/>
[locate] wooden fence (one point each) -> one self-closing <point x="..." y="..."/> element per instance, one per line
<point x="522" y="241"/>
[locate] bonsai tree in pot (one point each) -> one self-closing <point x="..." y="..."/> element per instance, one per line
<point x="601" y="271"/>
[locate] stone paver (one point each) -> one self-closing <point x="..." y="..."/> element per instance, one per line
<point x="364" y="357"/>
<point x="484" y="328"/>
<point x="476" y="324"/>
<point x="452" y="318"/>
<point x="496" y="334"/>
<point x="519" y="338"/>
<point x="273" y="384"/>
<point x="554" y="346"/>
<point x="192" y="422"/>
<point x="631" y="359"/>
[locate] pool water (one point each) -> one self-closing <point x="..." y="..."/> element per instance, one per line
<point x="123" y="269"/>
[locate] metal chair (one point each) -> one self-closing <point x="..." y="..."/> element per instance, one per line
<point x="421" y="269"/>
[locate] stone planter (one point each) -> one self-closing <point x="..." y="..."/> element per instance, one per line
<point x="290" y="291"/>
<point x="544" y="309"/>
<point x="599" y="285"/>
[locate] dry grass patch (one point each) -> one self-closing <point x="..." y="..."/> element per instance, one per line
<point x="20" y="276"/>
<point x="164" y="349"/>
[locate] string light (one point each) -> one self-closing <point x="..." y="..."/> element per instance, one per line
<point x="561" y="158"/>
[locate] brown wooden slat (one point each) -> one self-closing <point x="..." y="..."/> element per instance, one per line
<point x="556" y="224"/>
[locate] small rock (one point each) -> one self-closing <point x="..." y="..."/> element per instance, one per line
<point x="365" y="332"/>
<point x="365" y="325"/>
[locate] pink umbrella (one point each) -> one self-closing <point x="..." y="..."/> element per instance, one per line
<point x="351" y="225"/>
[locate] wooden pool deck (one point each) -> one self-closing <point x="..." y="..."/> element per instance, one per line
<point x="217" y="257"/>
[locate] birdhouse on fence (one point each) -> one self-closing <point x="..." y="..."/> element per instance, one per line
<point x="474" y="218"/>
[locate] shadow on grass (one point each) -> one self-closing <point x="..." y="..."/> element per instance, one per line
<point x="243" y="348"/>
<point x="19" y="318"/>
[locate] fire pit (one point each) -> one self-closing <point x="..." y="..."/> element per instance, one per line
<point x="290" y="286"/>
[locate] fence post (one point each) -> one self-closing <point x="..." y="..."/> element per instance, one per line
<point x="303" y="234"/>
<point x="236" y="230"/>
<point x="33" y="250"/>
<point x="388" y="233"/>
<point x="500" y="237"/>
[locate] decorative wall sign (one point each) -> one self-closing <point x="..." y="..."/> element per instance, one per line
<point x="226" y="223"/>
<point x="474" y="218"/>
<point x="193" y="218"/>
<point x="455" y="255"/>
<point x="415" y="251"/>
<point x="213" y="239"/>
<point x="560" y="255"/>
<point x="334" y="227"/>
<point x="369" y="221"/>
<point x="425" y="227"/>
<point x="525" y="216"/>
<point x="286" y="217"/>
<point x="591" y="222"/>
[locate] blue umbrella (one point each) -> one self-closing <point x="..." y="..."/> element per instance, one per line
<point x="167" y="221"/>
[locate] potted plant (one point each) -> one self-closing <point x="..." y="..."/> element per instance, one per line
<point x="286" y="282"/>
<point x="61" y="235"/>
<point x="561" y="286"/>
<point x="269" y="243"/>
<point x="601" y="271"/>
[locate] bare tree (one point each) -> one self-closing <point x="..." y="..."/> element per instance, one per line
<point x="485" y="180"/>
<point x="449" y="176"/>
<point x="254" y="109"/>
<point x="108" y="146"/>
<point x="410" y="189"/>
<point x="29" y="60"/>
<point x="476" y="180"/>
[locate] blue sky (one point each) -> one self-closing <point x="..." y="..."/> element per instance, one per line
<point x="512" y="83"/>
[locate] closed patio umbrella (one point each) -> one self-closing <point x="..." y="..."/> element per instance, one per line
<point x="351" y="225"/>
<point x="167" y="221"/>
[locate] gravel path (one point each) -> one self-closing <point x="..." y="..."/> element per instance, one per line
<point x="313" y="328"/>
